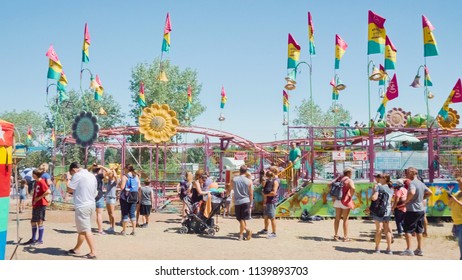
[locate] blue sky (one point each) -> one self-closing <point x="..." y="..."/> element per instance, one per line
<point x="239" y="44"/>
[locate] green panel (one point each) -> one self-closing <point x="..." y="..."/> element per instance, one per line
<point x="4" y="208"/>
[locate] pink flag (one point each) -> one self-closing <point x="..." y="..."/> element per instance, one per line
<point x="457" y="95"/>
<point x="141" y="87"/>
<point x="392" y="90"/>
<point x="86" y="34"/>
<point x="376" y="19"/>
<point x="332" y="82"/>
<point x="51" y="54"/>
<point x="427" y="23"/>
<point x="98" y="81"/>
<point x="223" y="93"/>
<point x="168" y="25"/>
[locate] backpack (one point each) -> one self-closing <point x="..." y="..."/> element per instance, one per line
<point x="336" y="189"/>
<point x="268" y="186"/>
<point x="379" y="206"/>
<point x="132" y="195"/>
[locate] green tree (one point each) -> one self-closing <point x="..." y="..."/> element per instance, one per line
<point x="173" y="92"/>
<point x="310" y="114"/>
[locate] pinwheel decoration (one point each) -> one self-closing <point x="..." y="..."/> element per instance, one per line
<point x="85" y="129"/>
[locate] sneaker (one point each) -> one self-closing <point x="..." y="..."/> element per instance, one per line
<point x="38" y="243"/>
<point x="30" y="242"/>
<point x="101" y="233"/>
<point x="377" y="252"/>
<point x="418" y="252"/>
<point x="110" y="230"/>
<point x="388" y="252"/>
<point x="144" y="226"/>
<point x="133" y="233"/>
<point x="407" y="253"/>
<point x="123" y="233"/>
<point x="272" y="235"/>
<point x="240" y="238"/>
<point x="263" y="231"/>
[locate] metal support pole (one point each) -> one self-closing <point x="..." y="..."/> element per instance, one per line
<point x="150" y="163"/>
<point x="206" y="152"/>
<point x="431" y="169"/>
<point x="165" y="161"/>
<point x="157" y="163"/>
<point x="124" y="143"/>
<point x="313" y="171"/>
<point x="371" y="154"/>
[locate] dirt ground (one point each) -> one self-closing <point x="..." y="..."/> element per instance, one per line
<point x="295" y="240"/>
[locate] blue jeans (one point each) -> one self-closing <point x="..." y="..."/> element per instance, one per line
<point x="399" y="219"/>
<point x="128" y="210"/>
<point x="459" y="238"/>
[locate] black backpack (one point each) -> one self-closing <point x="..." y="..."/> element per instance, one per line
<point x="336" y="189"/>
<point x="268" y="186"/>
<point x="379" y="206"/>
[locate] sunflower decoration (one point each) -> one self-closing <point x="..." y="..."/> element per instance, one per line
<point x="397" y="118"/>
<point x="450" y="122"/>
<point x="158" y="123"/>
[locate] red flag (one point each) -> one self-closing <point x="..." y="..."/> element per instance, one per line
<point x="457" y="92"/>
<point x="168" y="25"/>
<point x="392" y="90"/>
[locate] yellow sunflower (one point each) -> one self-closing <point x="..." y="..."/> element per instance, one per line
<point x="450" y="122"/>
<point x="158" y="123"/>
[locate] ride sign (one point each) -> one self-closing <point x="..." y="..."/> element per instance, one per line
<point x="360" y="155"/>
<point x="240" y="155"/>
<point x="336" y="155"/>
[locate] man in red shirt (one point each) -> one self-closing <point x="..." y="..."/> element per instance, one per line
<point x="39" y="205"/>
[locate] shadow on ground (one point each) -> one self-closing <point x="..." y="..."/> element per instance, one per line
<point x="45" y="250"/>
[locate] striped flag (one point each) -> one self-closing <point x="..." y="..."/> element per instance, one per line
<point x="376" y="33"/>
<point x="340" y="48"/>
<point x="430" y="47"/>
<point x="166" y="40"/>
<point x="385" y="75"/>
<point x="285" y="101"/>
<point x="454" y="97"/>
<point x="62" y="87"/>
<point x="428" y="81"/>
<point x="29" y="136"/>
<point x="53" y="136"/>
<point x="311" y="35"/>
<point x="334" y="89"/>
<point x="224" y="99"/>
<point x="86" y="45"/>
<point x="293" y="53"/>
<point x="141" y="97"/>
<point x="189" y="103"/>
<point x="390" y="55"/>
<point x="95" y="84"/>
<point x="55" y="68"/>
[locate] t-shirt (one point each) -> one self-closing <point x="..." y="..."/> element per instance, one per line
<point x="401" y="195"/>
<point x="294" y="153"/>
<point x="99" y="180"/>
<point x="111" y="189"/>
<point x="46" y="177"/>
<point x="85" y="186"/>
<point x="241" y="190"/>
<point x="386" y="189"/>
<point x="40" y="188"/>
<point x="415" y="204"/>
<point x="456" y="211"/>
<point x="273" y="199"/>
<point x="146" y="195"/>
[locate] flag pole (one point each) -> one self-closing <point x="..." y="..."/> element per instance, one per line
<point x="426" y="93"/>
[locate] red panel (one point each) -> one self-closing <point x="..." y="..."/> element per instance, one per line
<point x="7" y="132"/>
<point x="5" y="177"/>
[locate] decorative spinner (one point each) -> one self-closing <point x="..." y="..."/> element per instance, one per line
<point x="85" y="129"/>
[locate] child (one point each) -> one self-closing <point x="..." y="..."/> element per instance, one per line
<point x="227" y="208"/>
<point x="39" y="204"/>
<point x="146" y="197"/>
<point x="22" y="195"/>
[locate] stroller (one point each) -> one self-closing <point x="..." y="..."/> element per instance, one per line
<point x="196" y="222"/>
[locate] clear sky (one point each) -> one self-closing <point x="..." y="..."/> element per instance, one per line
<point x="239" y="44"/>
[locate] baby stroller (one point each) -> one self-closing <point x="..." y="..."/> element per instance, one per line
<point x="196" y="222"/>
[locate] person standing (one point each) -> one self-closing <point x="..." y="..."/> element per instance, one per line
<point x="398" y="207"/>
<point x="111" y="198"/>
<point x="295" y="156"/>
<point x="146" y="197"/>
<point x="270" y="199"/>
<point x="130" y="183"/>
<point x="343" y="206"/>
<point x="22" y="195"/>
<point x="383" y="223"/>
<point x="415" y="212"/>
<point x="243" y="197"/>
<point x="83" y="186"/>
<point x="455" y="203"/>
<point x="39" y="206"/>
<point x="99" y="199"/>
<point x="184" y="190"/>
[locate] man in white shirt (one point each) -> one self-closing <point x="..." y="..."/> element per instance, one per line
<point x="83" y="186"/>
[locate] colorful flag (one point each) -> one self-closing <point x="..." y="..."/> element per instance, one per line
<point x="285" y="101"/>
<point x="167" y="29"/>
<point x="376" y="34"/>
<point x="454" y="97"/>
<point x="86" y="45"/>
<point x="428" y="81"/>
<point x="334" y="89"/>
<point x="62" y="87"/>
<point x="340" y="48"/>
<point x="55" y="68"/>
<point x="293" y="53"/>
<point x="141" y="97"/>
<point x="392" y="93"/>
<point x="390" y="55"/>
<point x="385" y="75"/>
<point x="311" y="35"/>
<point x="96" y="85"/>
<point x="29" y="136"/>
<point x="430" y="47"/>
<point x="53" y="136"/>
<point x="223" y="97"/>
<point x="188" y="105"/>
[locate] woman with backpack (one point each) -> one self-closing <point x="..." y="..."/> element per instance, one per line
<point x="380" y="210"/>
<point x="344" y="204"/>
<point x="129" y="198"/>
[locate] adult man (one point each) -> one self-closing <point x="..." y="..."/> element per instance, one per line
<point x="295" y="155"/>
<point x="243" y="197"/>
<point x="83" y="186"/>
<point x="415" y="212"/>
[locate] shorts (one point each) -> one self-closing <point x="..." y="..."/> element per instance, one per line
<point x="270" y="210"/>
<point x="339" y="204"/>
<point x="242" y="211"/>
<point x="145" y="210"/>
<point x="38" y="214"/>
<point x="128" y="210"/>
<point x="381" y="219"/>
<point x="22" y="197"/>
<point x="413" y="222"/>
<point x="111" y="200"/>
<point x="83" y="217"/>
<point x="100" y="203"/>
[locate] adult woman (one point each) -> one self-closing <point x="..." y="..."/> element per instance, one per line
<point x="184" y="190"/>
<point x="129" y="184"/>
<point x="343" y="206"/>
<point x="111" y="197"/>
<point x="198" y="190"/>
<point x="383" y="223"/>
